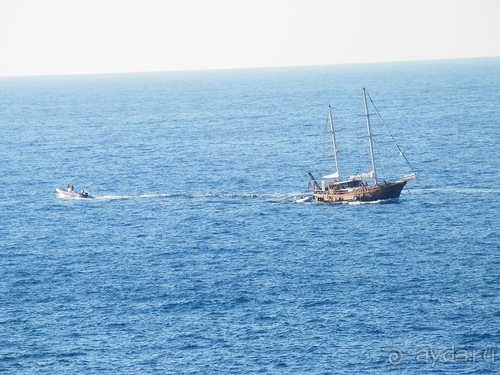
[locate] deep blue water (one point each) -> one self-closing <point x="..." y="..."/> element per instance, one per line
<point x="195" y="256"/>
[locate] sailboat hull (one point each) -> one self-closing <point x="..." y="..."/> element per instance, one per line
<point x="370" y="193"/>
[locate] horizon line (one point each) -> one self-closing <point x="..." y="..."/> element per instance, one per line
<point x="40" y="75"/>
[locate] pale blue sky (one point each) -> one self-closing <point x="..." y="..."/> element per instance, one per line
<point x="101" y="36"/>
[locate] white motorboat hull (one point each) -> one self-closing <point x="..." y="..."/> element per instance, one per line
<point x="65" y="194"/>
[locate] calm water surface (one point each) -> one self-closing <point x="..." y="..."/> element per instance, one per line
<point x="195" y="256"/>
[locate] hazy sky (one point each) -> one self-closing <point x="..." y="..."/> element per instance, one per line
<point x="97" y="36"/>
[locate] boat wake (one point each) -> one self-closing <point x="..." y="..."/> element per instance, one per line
<point x="128" y="197"/>
<point x="452" y="190"/>
<point x="230" y="198"/>
<point x="382" y="201"/>
<point x="245" y="197"/>
<point x="295" y="197"/>
<point x="211" y="197"/>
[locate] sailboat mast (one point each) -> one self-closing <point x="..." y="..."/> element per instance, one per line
<point x="333" y="140"/>
<point x="368" y="125"/>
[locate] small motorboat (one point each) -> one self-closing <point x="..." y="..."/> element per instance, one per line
<point x="304" y="199"/>
<point x="70" y="193"/>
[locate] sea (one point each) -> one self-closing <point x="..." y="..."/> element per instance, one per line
<point x="200" y="252"/>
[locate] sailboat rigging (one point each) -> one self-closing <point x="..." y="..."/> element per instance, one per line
<point x="356" y="188"/>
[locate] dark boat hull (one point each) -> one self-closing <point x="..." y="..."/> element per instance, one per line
<point x="379" y="192"/>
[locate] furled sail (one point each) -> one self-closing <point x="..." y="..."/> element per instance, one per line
<point x="331" y="176"/>
<point x="362" y="176"/>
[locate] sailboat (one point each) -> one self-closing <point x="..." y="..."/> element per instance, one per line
<point x="364" y="187"/>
